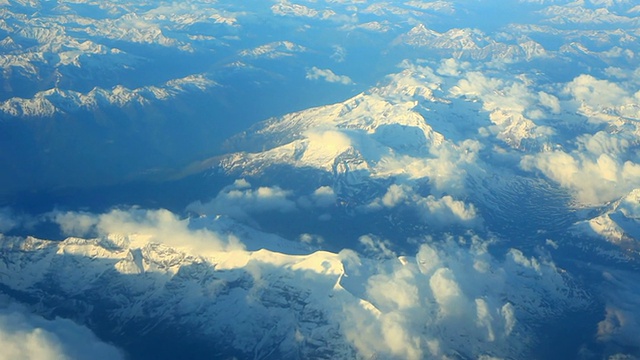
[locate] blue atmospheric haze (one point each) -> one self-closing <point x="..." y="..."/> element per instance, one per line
<point x="320" y="179"/>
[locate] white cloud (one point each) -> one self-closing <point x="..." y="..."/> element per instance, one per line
<point x="397" y="194"/>
<point x="451" y="67"/>
<point x="339" y="54"/>
<point x="616" y="72"/>
<point x="599" y="99"/>
<point x="593" y="179"/>
<point x="311" y="239"/>
<point x="240" y="200"/>
<point x="325" y="74"/>
<point x="604" y="143"/>
<point x="513" y="106"/>
<point x="324" y="196"/>
<point x="447" y="169"/>
<point x="76" y="223"/>
<point x="377" y="247"/>
<point x="446" y="210"/>
<point x="447" y="293"/>
<point x="455" y="298"/>
<point x="324" y="146"/>
<point x="438" y="211"/>
<point x="550" y="101"/>
<point x="600" y="167"/>
<point x="515" y="95"/>
<point x="161" y="226"/>
<point x="28" y="336"/>
<point x="476" y="85"/>
<point x="618" y="330"/>
<point x="7" y="220"/>
<point x="596" y="93"/>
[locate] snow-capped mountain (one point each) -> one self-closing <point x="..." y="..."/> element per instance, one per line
<point x="619" y="223"/>
<point x="273" y="50"/>
<point x="363" y="133"/>
<point x="449" y="137"/>
<point x="229" y="300"/>
<point x="472" y="44"/>
<point x="53" y="101"/>
<point x="416" y="179"/>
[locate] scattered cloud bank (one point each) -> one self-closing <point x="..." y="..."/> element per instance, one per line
<point x="161" y="226"/>
<point x="620" y="326"/>
<point x="593" y="179"/>
<point x="597" y="162"/>
<point x="376" y="247"/>
<point x="452" y="67"/>
<point x="239" y="200"/>
<point x="327" y="75"/>
<point x="454" y="297"/>
<point x="442" y="211"/>
<point x="514" y="106"/>
<point x="322" y="197"/>
<point x="495" y="93"/>
<point x="605" y="101"/>
<point x="325" y="144"/>
<point x="447" y="167"/>
<point x="7" y="220"/>
<point x="285" y="8"/>
<point x="28" y="336"/>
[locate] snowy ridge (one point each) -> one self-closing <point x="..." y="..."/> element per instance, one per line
<point x="273" y="50"/>
<point x="462" y="185"/>
<point x="53" y="101"/>
<point x="298" y="306"/>
<point x="471" y="43"/>
<point x="369" y="127"/>
<point x="619" y="224"/>
<point x="285" y="8"/>
<point x="574" y="13"/>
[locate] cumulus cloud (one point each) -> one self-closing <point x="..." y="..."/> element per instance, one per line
<point x="507" y="95"/>
<point x="597" y="167"/>
<point x="28" y="336"/>
<point x="239" y="200"/>
<point x="323" y="146"/>
<point x="514" y="106"/>
<point x="441" y="211"/>
<point x="446" y="210"/>
<point x="604" y="143"/>
<point x="452" y="67"/>
<point x="495" y="93"/>
<point x="454" y="297"/>
<point x="311" y="239"/>
<point x="593" y="179"/>
<point x="161" y="226"/>
<point x="447" y="169"/>
<point x="327" y="75"/>
<point x="620" y="326"/>
<point x="324" y="196"/>
<point x="7" y="220"/>
<point x="377" y="247"/>
<point x="550" y="101"/>
<point x="596" y="93"/>
<point x="339" y="53"/>
<point x="321" y="198"/>
<point x="599" y="99"/>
